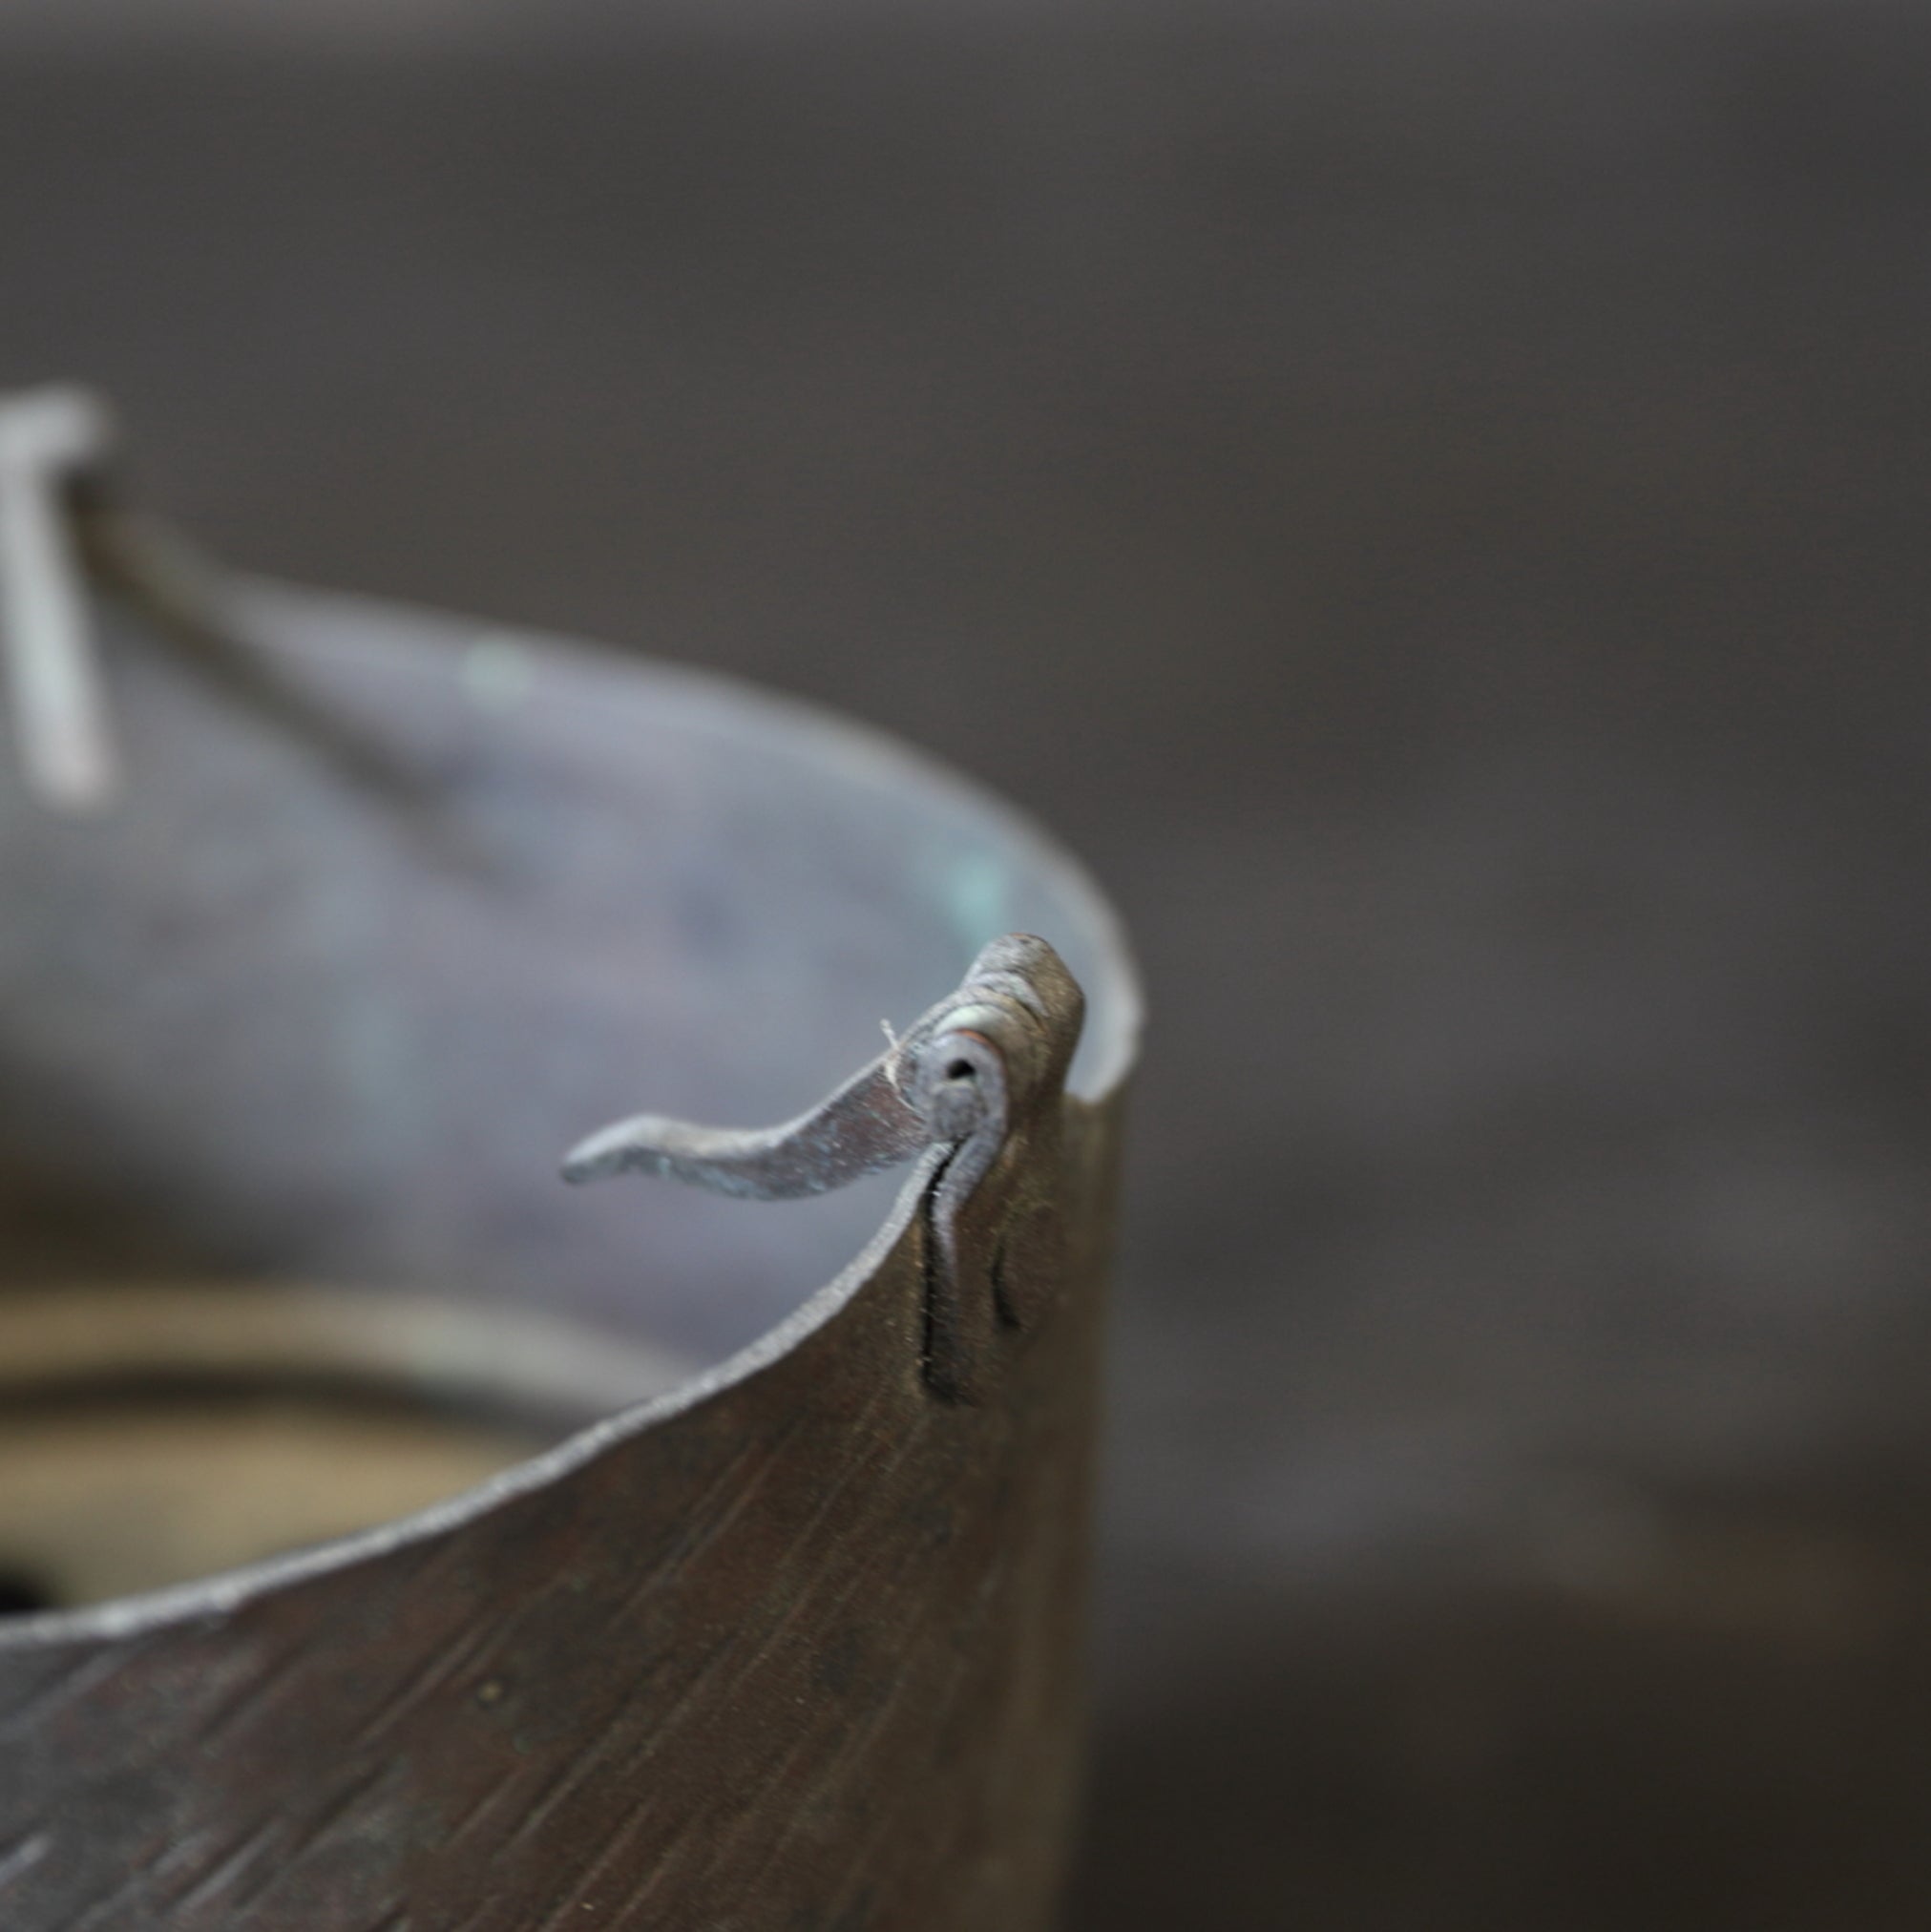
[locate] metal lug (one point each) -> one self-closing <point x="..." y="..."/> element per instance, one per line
<point x="978" y="1075"/>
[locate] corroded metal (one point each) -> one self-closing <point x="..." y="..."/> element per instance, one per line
<point x="769" y="1617"/>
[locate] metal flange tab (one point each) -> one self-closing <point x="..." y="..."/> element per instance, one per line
<point x="975" y="1086"/>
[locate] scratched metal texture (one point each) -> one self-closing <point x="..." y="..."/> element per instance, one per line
<point x="802" y="1656"/>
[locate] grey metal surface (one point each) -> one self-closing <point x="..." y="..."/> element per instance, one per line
<point x="791" y="1642"/>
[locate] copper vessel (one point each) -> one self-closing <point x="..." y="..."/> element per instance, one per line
<point x="399" y="1539"/>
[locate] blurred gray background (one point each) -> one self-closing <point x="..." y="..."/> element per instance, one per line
<point x="1431" y="499"/>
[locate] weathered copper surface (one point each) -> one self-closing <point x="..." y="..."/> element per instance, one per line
<point x="790" y="1642"/>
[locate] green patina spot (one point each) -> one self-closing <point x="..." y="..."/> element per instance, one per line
<point x="976" y="894"/>
<point x="497" y="673"/>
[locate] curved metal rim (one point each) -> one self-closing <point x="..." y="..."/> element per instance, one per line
<point x="798" y="721"/>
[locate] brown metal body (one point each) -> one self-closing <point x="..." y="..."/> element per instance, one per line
<point x="762" y="1621"/>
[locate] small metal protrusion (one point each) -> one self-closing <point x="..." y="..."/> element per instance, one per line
<point x="67" y="530"/>
<point x="959" y="1081"/>
<point x="49" y="438"/>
